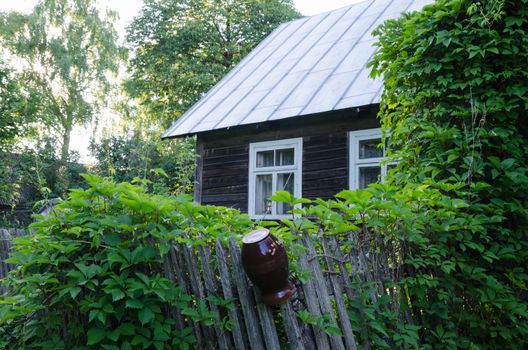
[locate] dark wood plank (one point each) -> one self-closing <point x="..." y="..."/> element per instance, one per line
<point x="198" y="176"/>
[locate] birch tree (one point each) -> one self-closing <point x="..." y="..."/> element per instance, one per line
<point x="68" y="52"/>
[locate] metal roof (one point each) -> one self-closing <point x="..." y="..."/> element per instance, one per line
<point x="310" y="65"/>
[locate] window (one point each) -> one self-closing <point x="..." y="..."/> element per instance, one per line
<point x="365" y="157"/>
<point x="273" y="166"/>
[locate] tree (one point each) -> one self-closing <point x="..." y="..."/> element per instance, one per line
<point x="456" y="104"/>
<point x="143" y="156"/>
<point x="182" y="48"/>
<point x="67" y="50"/>
<point x="11" y="108"/>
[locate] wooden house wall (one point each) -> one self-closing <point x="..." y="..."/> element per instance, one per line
<point x="224" y="155"/>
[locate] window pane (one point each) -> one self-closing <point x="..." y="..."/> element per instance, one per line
<point x="285" y="182"/>
<point x="264" y="158"/>
<point x="284" y="157"/>
<point x="368" y="175"/>
<point x="262" y="192"/>
<point x="370" y="149"/>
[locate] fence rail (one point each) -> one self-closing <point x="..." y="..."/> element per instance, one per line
<point x="215" y="270"/>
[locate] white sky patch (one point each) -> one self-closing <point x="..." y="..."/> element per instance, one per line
<point x="127" y="9"/>
<point x="313" y="7"/>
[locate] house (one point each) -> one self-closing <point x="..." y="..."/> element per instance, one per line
<point x="297" y="114"/>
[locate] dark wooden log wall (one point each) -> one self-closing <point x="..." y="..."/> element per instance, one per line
<point x="224" y="154"/>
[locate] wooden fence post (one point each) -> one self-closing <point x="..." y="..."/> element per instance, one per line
<point x="322" y="292"/>
<point x="225" y="280"/>
<point x="346" y="327"/>
<point x="211" y="289"/>
<point x="246" y="298"/>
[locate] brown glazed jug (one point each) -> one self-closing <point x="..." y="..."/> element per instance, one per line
<point x="266" y="264"/>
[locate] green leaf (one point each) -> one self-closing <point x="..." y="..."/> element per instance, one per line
<point x="95" y="335"/>
<point x="145" y="315"/>
<point x="117" y="294"/>
<point x="110" y="347"/>
<point x="134" y="304"/>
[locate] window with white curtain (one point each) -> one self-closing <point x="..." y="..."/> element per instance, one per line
<point x="273" y="166"/>
<point x="366" y="155"/>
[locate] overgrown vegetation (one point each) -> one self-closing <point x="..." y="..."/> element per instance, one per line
<point x="123" y="158"/>
<point x="31" y="176"/>
<point x="92" y="274"/>
<point x="59" y="70"/>
<point x="456" y="103"/>
<point x="451" y="220"/>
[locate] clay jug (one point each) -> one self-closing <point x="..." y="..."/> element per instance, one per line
<point x="266" y="264"/>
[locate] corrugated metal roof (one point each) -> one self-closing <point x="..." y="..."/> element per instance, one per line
<point x="311" y="65"/>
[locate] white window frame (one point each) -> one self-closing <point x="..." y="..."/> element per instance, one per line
<point x="296" y="168"/>
<point x="355" y="163"/>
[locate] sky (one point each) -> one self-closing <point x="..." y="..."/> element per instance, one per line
<point x="127" y="9"/>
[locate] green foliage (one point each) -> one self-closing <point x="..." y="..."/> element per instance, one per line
<point x="29" y="176"/>
<point x="321" y="321"/>
<point x="92" y="274"/>
<point x="127" y="158"/>
<point x="67" y="51"/>
<point x="456" y="103"/>
<point x="182" y="48"/>
<point x="12" y="106"/>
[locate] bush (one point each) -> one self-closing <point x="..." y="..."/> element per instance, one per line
<point x="456" y="103"/>
<point x="91" y="275"/>
<point x="124" y="158"/>
<point x="29" y="176"/>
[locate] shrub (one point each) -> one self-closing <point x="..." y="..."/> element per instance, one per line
<point x="124" y="158"/>
<point x="92" y="276"/>
<point x="456" y="103"/>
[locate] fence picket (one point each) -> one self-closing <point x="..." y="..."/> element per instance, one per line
<point x="346" y="327"/>
<point x="322" y="292"/>
<point x="198" y="290"/>
<point x="246" y="298"/>
<point x="225" y="280"/>
<point x="312" y="303"/>
<point x="211" y="289"/>
<point x="291" y="326"/>
<point x="269" y="331"/>
<point x="351" y="294"/>
<point x="170" y="274"/>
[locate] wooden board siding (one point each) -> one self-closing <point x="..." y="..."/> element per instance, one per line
<point x="224" y="155"/>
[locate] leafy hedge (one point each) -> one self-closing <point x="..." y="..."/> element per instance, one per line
<point x="91" y="275"/>
<point x="456" y="102"/>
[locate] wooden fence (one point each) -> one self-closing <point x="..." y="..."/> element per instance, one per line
<point x="216" y="270"/>
<point x="6" y="236"/>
